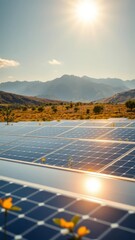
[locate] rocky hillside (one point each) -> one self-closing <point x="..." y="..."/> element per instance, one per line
<point x="10" y="98"/>
<point x="120" y="97"/>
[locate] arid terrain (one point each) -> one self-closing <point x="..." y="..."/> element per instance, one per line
<point x="72" y="111"/>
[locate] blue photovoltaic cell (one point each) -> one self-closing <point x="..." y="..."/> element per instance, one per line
<point x="119" y="234"/>
<point x="30" y="149"/>
<point x="129" y="221"/>
<point x="70" y="123"/>
<point x="124" y="167"/>
<point x="7" y="139"/>
<point x="90" y="156"/>
<point x="118" y="124"/>
<point x="94" y="124"/>
<point x="35" y="220"/>
<point x="49" y="131"/>
<point x="18" y="130"/>
<point x="32" y="141"/>
<point x="121" y="134"/>
<point x="85" y="133"/>
<point x="132" y="124"/>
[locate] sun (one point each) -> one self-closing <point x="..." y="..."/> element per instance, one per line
<point x="87" y="11"/>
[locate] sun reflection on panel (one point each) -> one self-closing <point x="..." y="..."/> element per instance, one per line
<point x="93" y="185"/>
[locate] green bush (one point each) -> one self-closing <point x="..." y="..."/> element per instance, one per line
<point x="130" y="104"/>
<point x="98" y="109"/>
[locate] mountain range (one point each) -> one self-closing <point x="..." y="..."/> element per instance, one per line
<point x="70" y="88"/>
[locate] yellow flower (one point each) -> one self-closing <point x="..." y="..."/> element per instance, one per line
<point x="66" y="224"/>
<point x="43" y="159"/>
<point x="82" y="231"/>
<point x="63" y="223"/>
<point x="6" y="203"/>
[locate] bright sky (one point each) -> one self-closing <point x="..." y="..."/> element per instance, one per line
<point x="44" y="39"/>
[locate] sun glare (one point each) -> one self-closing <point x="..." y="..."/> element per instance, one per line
<point x="87" y="11"/>
<point x="93" y="185"/>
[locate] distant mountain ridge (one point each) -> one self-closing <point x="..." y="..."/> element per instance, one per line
<point x="120" y="97"/>
<point x="70" y="88"/>
<point x="11" y="98"/>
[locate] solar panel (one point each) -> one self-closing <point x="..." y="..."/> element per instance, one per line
<point x="31" y="149"/>
<point x="40" y="205"/>
<point x="132" y="124"/>
<point x="18" y="129"/>
<point x="85" y="133"/>
<point x="118" y="124"/>
<point x="70" y="123"/>
<point x="60" y="145"/>
<point x="49" y="131"/>
<point x="4" y="139"/>
<point x="124" y="167"/>
<point x="98" y="123"/>
<point x="44" y="192"/>
<point x="121" y="134"/>
<point x="85" y="155"/>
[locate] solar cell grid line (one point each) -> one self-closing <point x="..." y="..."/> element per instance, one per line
<point x="86" y="132"/>
<point x="132" y="124"/>
<point x="118" y="159"/>
<point x="29" y="129"/>
<point x="39" y="128"/>
<point x="49" y="131"/>
<point x="44" y="123"/>
<point x="8" y="148"/>
<point x="94" y="155"/>
<point x="8" y="139"/>
<point x="43" y="143"/>
<point x="118" y="124"/>
<point x="33" y="152"/>
<point x="124" y="167"/>
<point x="41" y="204"/>
<point x="71" y="123"/>
<point x="120" y="134"/>
<point x="11" y="128"/>
<point x="105" y="133"/>
<point x="19" y="130"/>
<point x="69" y="130"/>
<point x="95" y="123"/>
<point x="54" y="151"/>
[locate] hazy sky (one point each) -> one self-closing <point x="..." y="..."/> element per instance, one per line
<point x="44" y="39"/>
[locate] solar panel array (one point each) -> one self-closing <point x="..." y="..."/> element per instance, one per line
<point x="102" y="146"/>
<point x="40" y="205"/>
<point x="105" y="146"/>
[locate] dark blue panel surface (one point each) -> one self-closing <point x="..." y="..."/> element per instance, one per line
<point x="35" y="220"/>
<point x="41" y="231"/>
<point x="118" y="234"/>
<point x="83" y="207"/>
<point x="109" y="214"/>
<point x="41" y="196"/>
<point x="124" y="167"/>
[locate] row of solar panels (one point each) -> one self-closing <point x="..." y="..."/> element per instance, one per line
<point x="60" y="146"/>
<point x="104" y="133"/>
<point x="53" y="145"/>
<point x="116" y="122"/>
<point x="39" y="206"/>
